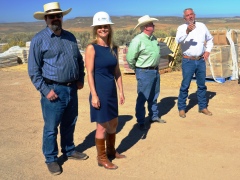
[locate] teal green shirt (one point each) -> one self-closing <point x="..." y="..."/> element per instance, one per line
<point x="143" y="51"/>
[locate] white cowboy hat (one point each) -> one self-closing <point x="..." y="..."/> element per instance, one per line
<point x="50" y="8"/>
<point x="144" y="20"/>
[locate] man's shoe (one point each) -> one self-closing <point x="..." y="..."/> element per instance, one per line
<point x="54" y="168"/>
<point x="78" y="156"/>
<point x="142" y="127"/>
<point x="157" y="120"/>
<point x="205" y="111"/>
<point x="182" y="114"/>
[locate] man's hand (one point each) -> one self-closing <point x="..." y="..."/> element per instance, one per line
<point x="79" y="85"/>
<point x="191" y="26"/>
<point x="206" y="55"/>
<point x="52" y="95"/>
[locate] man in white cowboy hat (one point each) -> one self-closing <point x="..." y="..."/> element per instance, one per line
<point x="56" y="69"/>
<point x="143" y="57"/>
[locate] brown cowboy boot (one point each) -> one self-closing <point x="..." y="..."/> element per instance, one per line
<point x="101" y="155"/>
<point x="205" y="111"/>
<point x="111" y="151"/>
<point x="182" y="113"/>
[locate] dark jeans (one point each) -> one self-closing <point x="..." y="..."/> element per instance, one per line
<point x="63" y="111"/>
<point x="148" y="89"/>
<point x="189" y="68"/>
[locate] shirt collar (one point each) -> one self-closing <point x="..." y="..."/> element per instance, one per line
<point x="147" y="36"/>
<point x="51" y="33"/>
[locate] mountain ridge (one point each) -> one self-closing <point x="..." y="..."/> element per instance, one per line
<point x="80" y="24"/>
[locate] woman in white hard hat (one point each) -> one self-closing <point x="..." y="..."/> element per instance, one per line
<point x="103" y="71"/>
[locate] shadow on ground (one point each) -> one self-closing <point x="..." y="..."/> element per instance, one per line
<point x="165" y="105"/>
<point x="194" y="101"/>
<point x="89" y="140"/>
<point x="135" y="134"/>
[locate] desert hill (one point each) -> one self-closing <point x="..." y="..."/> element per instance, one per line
<point x="80" y="24"/>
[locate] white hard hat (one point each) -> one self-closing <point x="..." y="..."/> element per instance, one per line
<point x="101" y="18"/>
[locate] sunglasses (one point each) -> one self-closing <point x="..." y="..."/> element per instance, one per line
<point x="52" y="16"/>
<point x="103" y="26"/>
<point x="149" y="25"/>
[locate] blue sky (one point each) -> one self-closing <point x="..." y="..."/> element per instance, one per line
<point x="22" y="10"/>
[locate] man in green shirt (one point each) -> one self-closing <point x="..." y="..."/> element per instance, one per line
<point x="143" y="57"/>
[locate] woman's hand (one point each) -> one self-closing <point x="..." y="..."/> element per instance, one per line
<point x="121" y="98"/>
<point x="95" y="102"/>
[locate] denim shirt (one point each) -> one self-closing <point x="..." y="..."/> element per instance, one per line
<point x="143" y="51"/>
<point x="54" y="57"/>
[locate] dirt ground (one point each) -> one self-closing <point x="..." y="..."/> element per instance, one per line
<point x="198" y="147"/>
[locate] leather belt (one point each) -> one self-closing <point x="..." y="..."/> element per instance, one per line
<point x="149" y="68"/>
<point x="49" y="81"/>
<point x="193" y="57"/>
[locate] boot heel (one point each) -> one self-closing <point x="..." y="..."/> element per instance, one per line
<point x="100" y="165"/>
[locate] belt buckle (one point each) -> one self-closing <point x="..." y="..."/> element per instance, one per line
<point x="68" y="84"/>
<point x="194" y="57"/>
<point x="199" y="57"/>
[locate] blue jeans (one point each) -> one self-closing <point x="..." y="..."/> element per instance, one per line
<point x="64" y="112"/>
<point x="189" y="68"/>
<point x="148" y="89"/>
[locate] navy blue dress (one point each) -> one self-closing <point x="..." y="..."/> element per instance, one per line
<point x="105" y="85"/>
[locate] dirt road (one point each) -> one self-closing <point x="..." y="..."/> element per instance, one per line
<point x="197" y="147"/>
